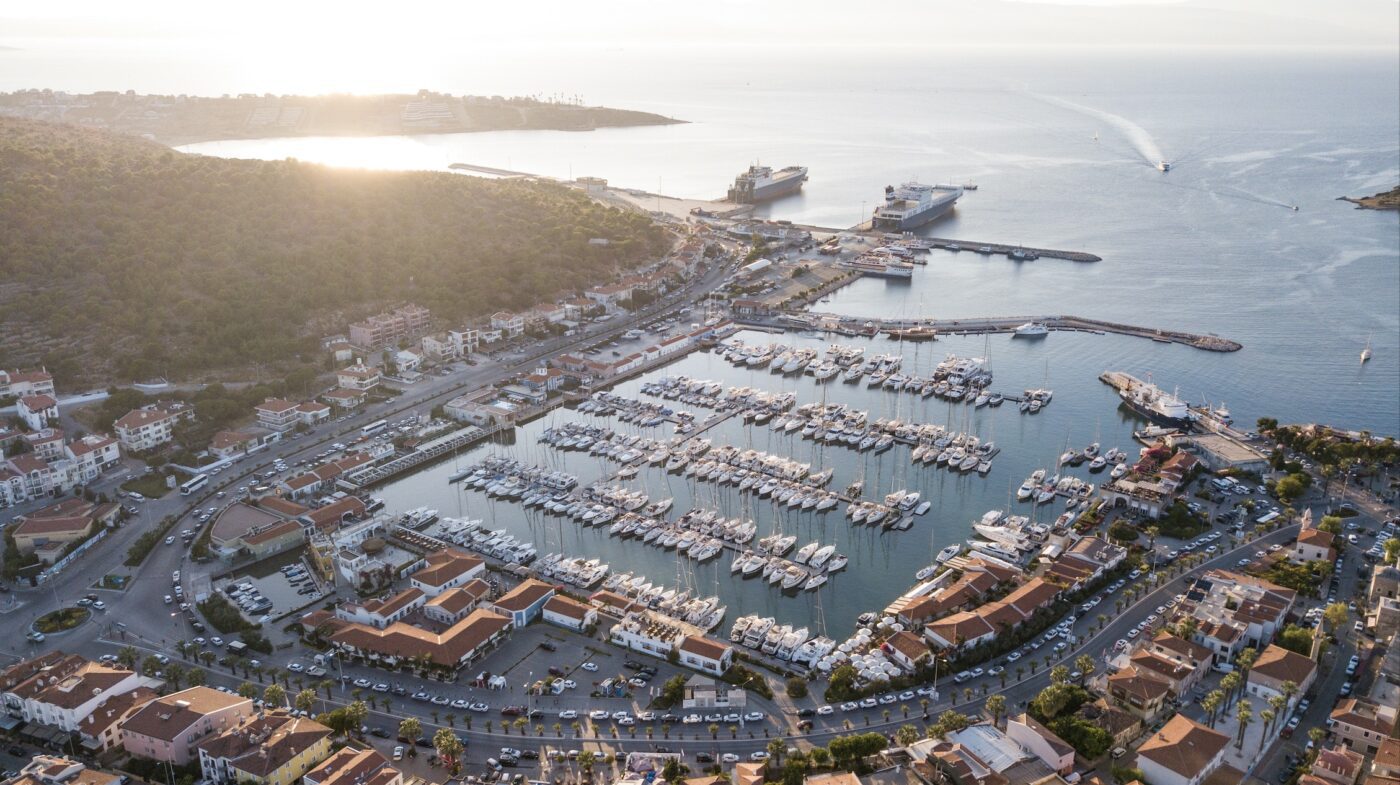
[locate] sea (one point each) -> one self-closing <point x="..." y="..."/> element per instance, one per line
<point x="1063" y="149"/>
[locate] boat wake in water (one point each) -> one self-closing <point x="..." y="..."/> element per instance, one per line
<point x="1138" y="136"/>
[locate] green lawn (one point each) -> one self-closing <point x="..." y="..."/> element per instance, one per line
<point x="151" y="485"/>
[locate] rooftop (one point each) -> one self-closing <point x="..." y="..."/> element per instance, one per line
<point x="1184" y="746"/>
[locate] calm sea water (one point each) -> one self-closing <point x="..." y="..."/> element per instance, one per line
<point x="1213" y="246"/>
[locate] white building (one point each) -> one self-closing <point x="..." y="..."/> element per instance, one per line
<point x="569" y="613"/>
<point x="60" y="689"/>
<point x="149" y="427"/>
<point x="37" y="411"/>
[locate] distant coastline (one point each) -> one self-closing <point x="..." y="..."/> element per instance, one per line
<point x="179" y="120"/>
<point x="1386" y="200"/>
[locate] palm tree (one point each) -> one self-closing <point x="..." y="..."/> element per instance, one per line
<point x="1102" y="620"/>
<point x="1228" y="684"/>
<point x="1212" y="703"/>
<point x="207" y="657"/>
<point x="1151" y="532"/>
<point x="448" y="748"/>
<point x="1243" y="716"/>
<point x="274" y="695"/>
<point x="1278" y="704"/>
<point x="127" y="656"/>
<point x="1289" y="689"/>
<point x="714" y="731"/>
<point x="247" y="690"/>
<point x="1267" y="715"/>
<point x="1084" y="664"/>
<point x="558" y="729"/>
<point x="326" y="684"/>
<point x="196" y="677"/>
<point x="776" y="748"/>
<point x="1246" y="661"/>
<point x="1020" y="672"/>
<point x="1059" y="674"/>
<point x="996" y="706"/>
<point x="586" y="759"/>
<point x="410" y="729"/>
<point x="356" y="712"/>
<point x="1317" y="735"/>
<point x="886" y="714"/>
<point x="906" y="735"/>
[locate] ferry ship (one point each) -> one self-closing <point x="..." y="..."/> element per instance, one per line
<point x="1155" y="404"/>
<point x="883" y="269"/>
<point x="761" y="183"/>
<point x="913" y="204"/>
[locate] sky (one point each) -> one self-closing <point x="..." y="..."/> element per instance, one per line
<point x="355" y="29"/>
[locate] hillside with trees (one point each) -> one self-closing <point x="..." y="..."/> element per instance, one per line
<point x="121" y="259"/>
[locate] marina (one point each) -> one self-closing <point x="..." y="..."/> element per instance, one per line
<point x="705" y="435"/>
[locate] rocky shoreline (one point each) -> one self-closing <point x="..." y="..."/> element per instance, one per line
<point x="1386" y="200"/>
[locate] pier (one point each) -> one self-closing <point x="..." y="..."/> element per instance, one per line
<point x="995" y="324"/>
<point x="431" y="451"/>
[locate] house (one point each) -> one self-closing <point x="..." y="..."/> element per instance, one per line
<point x="1183" y="752"/>
<point x="1276" y="665"/>
<point x="311" y="412"/>
<point x="230" y="444"/>
<point x="1138" y="693"/>
<point x="27" y="476"/>
<point x="510" y="325"/>
<point x="402" y="644"/>
<point x="705" y="655"/>
<point x="1312" y="545"/>
<point x="277" y="414"/>
<point x="46" y="532"/>
<point x="149" y="427"/>
<point x="387" y="329"/>
<point x="702" y="692"/>
<point x="481" y="408"/>
<point x="1041" y="742"/>
<point x="344" y="398"/>
<point x="334" y="515"/>
<point x="612" y="295"/>
<point x="524" y="603"/>
<point x="959" y="631"/>
<point x="1337" y="765"/>
<point x="1178" y="677"/>
<point x="1254" y="607"/>
<point x="352" y="766"/>
<point x="101" y="729"/>
<point x="54" y="769"/>
<point x="1362" y="725"/>
<point x="1386" y="763"/>
<point x="407" y="360"/>
<point x="1123" y="726"/>
<point x="446" y="569"/>
<point x="319" y="478"/>
<point x="1177" y="468"/>
<point x="381" y="612"/>
<point x="648" y="633"/>
<point x="358" y="377"/>
<point x="17" y="383"/>
<point x="441" y="347"/>
<point x="1182" y="652"/>
<point x="908" y="650"/>
<point x="570" y="613"/>
<point x="272" y="748"/>
<point x="1385" y="582"/>
<point x="91" y="455"/>
<point x="342" y="351"/>
<point x="453" y="605"/>
<point x="37" y="411"/>
<point x="544" y="379"/>
<point x="169" y="728"/>
<point x="60" y="690"/>
<point x="46" y="443"/>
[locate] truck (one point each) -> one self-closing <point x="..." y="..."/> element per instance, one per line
<point x="238" y="647"/>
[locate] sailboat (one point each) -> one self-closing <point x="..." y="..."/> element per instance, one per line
<point x="1366" y="353"/>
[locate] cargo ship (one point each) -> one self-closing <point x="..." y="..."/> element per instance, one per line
<point x="913" y="204"/>
<point x="1154" y="403"/>
<point x="761" y="183"/>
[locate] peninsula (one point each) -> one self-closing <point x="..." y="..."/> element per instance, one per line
<point x="185" y="119"/>
<point x="1386" y="200"/>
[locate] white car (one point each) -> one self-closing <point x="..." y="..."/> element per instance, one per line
<point x="568" y="714"/>
<point x="754" y="716"/>
<point x="597" y="714"/>
<point x="759" y="756"/>
<point x="729" y="757"/>
<point x="591" y="667"/>
<point x="825" y="710"/>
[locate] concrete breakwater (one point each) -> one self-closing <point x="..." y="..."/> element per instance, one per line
<point x="1002" y="324"/>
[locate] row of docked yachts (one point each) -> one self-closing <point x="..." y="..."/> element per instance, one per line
<point x="575" y="571"/>
<point x="705" y="613"/>
<point x="781" y="641"/>
<point x="697" y="392"/>
<point x="495" y="543"/>
<point x="1042" y="490"/>
<point x="629" y="410"/>
<point x="602" y="442"/>
<point x="506" y="478"/>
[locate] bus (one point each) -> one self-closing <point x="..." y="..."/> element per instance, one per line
<point x="194" y="483"/>
<point x="1267" y="517"/>
<point x="374" y="427"/>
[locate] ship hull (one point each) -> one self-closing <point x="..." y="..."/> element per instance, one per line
<point x="914" y="221"/>
<point x="1153" y="415"/>
<point x="768" y="191"/>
